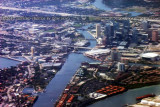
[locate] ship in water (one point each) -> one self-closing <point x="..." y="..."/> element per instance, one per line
<point x="145" y="96"/>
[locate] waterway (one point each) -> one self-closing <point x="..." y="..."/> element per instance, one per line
<point x="100" y="5"/>
<point x="58" y="83"/>
<point x="128" y="97"/>
<point x="62" y="78"/>
<point x="20" y="58"/>
<point x="73" y="62"/>
<point x="6" y="63"/>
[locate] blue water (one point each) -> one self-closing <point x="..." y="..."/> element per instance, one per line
<point x="62" y="78"/>
<point x="100" y="5"/>
<point x="58" y="83"/>
<point x="20" y="58"/>
<point x="128" y="97"/>
<point x="6" y="63"/>
<point x="28" y="90"/>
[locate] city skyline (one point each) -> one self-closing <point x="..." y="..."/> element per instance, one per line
<point x="87" y="53"/>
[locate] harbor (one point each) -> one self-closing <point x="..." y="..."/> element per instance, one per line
<point x="128" y="97"/>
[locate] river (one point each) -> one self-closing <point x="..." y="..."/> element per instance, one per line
<point x="59" y="82"/>
<point x="100" y="5"/>
<point x="73" y="62"/>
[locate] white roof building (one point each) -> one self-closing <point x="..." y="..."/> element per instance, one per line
<point x="97" y="52"/>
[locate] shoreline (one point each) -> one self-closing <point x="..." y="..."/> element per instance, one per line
<point x="90" y="101"/>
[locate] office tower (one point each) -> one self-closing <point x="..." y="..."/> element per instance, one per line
<point x="134" y="35"/>
<point x="32" y="51"/>
<point x="109" y="32"/>
<point x="126" y="23"/>
<point x="115" y="55"/>
<point x="144" y="25"/>
<point x="98" y="30"/>
<point x="121" y="67"/>
<point x="112" y="29"/>
<point x="104" y="41"/>
<point x="155" y="36"/>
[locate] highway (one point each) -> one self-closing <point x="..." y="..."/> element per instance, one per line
<point x="68" y="14"/>
<point x="38" y="11"/>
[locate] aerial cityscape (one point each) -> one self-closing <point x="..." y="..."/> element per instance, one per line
<point x="79" y="53"/>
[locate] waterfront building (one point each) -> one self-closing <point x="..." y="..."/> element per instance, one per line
<point x="154" y="35"/>
<point x="121" y="67"/>
<point x="96" y="52"/>
<point x="98" y="30"/>
<point x="100" y="41"/>
<point x="150" y="56"/>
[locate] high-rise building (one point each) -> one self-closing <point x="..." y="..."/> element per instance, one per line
<point x="115" y="55"/>
<point x="112" y="29"/>
<point x="109" y="32"/>
<point x="98" y="30"/>
<point x="134" y="35"/>
<point x="32" y="51"/>
<point x="144" y="25"/>
<point x="104" y="41"/>
<point x="126" y="23"/>
<point x="155" y="35"/>
<point x="121" y="67"/>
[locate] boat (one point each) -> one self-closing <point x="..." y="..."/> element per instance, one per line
<point x="145" y="96"/>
